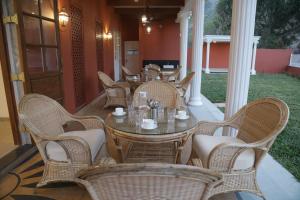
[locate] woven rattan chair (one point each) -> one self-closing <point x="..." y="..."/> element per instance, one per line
<point x="153" y="66"/>
<point x="185" y="83"/>
<point x="149" y="181"/>
<point x="172" y="76"/>
<point x="63" y="153"/>
<point x="117" y="93"/>
<point x="161" y="91"/>
<point x="128" y="73"/>
<point x="257" y="124"/>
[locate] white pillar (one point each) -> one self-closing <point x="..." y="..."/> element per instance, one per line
<point x="198" y="28"/>
<point x="242" y="34"/>
<point x="253" y="71"/>
<point x="184" y="29"/>
<point x="207" y="71"/>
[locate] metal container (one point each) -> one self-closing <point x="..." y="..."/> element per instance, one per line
<point x="154" y="114"/>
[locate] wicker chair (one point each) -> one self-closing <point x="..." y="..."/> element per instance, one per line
<point x="162" y="91"/>
<point x="128" y="73"/>
<point x="149" y="181"/>
<point x="257" y="124"/>
<point x="173" y="76"/>
<point x="117" y="93"/>
<point x="185" y="83"/>
<point x="153" y="66"/>
<point x="63" y="153"/>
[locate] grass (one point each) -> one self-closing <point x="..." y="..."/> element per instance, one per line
<point x="286" y="148"/>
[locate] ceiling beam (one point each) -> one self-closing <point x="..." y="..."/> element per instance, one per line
<point x="148" y="3"/>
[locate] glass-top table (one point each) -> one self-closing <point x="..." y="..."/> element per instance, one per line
<point x="128" y="124"/>
<point x="178" y="132"/>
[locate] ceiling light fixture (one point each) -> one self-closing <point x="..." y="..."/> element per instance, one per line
<point x="144" y="19"/>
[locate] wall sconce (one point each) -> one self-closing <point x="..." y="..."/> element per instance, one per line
<point x="148" y="29"/>
<point x="107" y="36"/>
<point x="63" y="17"/>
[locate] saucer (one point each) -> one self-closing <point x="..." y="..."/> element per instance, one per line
<point x="149" y="128"/>
<point x="182" y="117"/>
<point x="118" y="114"/>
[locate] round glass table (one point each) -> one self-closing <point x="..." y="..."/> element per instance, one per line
<point x="173" y="137"/>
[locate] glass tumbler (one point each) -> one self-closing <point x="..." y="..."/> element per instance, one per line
<point x="171" y="115"/>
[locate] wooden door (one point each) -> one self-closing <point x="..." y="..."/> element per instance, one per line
<point x="131" y="49"/>
<point x="41" y="47"/>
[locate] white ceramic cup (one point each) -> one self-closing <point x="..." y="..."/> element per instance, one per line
<point x="119" y="111"/>
<point x="148" y="123"/>
<point x="182" y="113"/>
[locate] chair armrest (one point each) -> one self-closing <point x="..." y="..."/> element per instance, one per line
<point x="209" y="128"/>
<point x="76" y="148"/>
<point x="89" y="122"/>
<point x="105" y="161"/>
<point x="121" y="87"/>
<point x="223" y="156"/>
<point x="122" y="84"/>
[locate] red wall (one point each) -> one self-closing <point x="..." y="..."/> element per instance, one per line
<point x="129" y="31"/>
<point x="92" y="10"/>
<point x="162" y="43"/>
<point x="219" y="55"/>
<point x="272" y="60"/>
<point x="295" y="71"/>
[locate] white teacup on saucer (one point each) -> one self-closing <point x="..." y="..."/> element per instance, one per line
<point x="119" y="112"/>
<point x="181" y="114"/>
<point x="149" y="124"/>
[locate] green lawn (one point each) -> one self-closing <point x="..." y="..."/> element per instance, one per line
<point x="286" y="148"/>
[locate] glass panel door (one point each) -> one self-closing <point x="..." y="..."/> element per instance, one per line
<point x="40" y="36"/>
<point x="41" y="47"/>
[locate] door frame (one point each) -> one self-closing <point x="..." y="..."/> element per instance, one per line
<point x="11" y="103"/>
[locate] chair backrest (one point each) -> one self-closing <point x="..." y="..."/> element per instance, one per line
<point x="153" y="66"/>
<point x="187" y="80"/>
<point x="105" y="79"/>
<point x="177" y="72"/>
<point x="42" y="115"/>
<point x="149" y="181"/>
<point x="262" y="120"/>
<point x="127" y="72"/>
<point x="152" y="73"/>
<point x="161" y="91"/>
